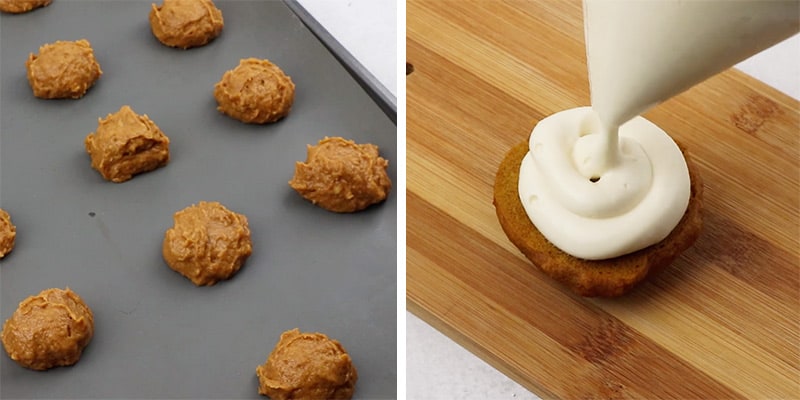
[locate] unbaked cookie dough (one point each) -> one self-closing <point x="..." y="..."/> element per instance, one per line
<point x="307" y="366"/>
<point x="186" y="23"/>
<point x="342" y="176"/>
<point x="207" y="243"/>
<point x="22" y="6"/>
<point x="8" y="233"/>
<point x="256" y="91"/>
<point x="63" y="70"/>
<point x="48" y="330"/>
<point x="126" y="144"/>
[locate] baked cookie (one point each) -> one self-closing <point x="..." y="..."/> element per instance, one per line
<point x="605" y="278"/>
<point x="256" y="91"/>
<point x="207" y="243"/>
<point x="307" y="366"/>
<point x="126" y="144"/>
<point x="22" y="6"/>
<point x="48" y="330"/>
<point x="8" y="233"/>
<point x="186" y="23"/>
<point x="63" y="70"/>
<point x="342" y="176"/>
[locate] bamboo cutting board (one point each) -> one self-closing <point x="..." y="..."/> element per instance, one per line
<point x="722" y="322"/>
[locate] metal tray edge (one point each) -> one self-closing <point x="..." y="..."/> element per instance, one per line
<point x="376" y="90"/>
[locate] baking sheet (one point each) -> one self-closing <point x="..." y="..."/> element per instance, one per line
<point x="156" y="334"/>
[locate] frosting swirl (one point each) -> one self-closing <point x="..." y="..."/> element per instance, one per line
<point x="595" y="196"/>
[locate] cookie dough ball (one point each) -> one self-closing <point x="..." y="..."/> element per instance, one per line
<point x="63" y="70"/>
<point x="22" y="6"/>
<point x="256" y="91"/>
<point x="8" y="233"/>
<point x="186" y="23"/>
<point x="48" y="330"/>
<point x="307" y="366"/>
<point x="207" y="243"/>
<point x="126" y="144"/>
<point x="342" y="176"/>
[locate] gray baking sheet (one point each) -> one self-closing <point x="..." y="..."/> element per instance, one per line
<point x="156" y="334"/>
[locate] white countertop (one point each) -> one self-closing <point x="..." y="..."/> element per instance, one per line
<point x="436" y="367"/>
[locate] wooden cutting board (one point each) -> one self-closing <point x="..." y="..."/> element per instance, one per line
<point x="722" y="322"/>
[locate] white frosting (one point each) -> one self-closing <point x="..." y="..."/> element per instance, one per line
<point x="639" y="53"/>
<point x="634" y="204"/>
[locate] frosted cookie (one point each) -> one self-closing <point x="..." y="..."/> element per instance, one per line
<point x="256" y="91"/>
<point x="186" y="23"/>
<point x="605" y="278"/>
<point x="307" y="366"/>
<point x="63" y="70"/>
<point x="22" y="6"/>
<point x="126" y="144"/>
<point x="207" y="243"/>
<point x="342" y="176"/>
<point x="48" y="330"/>
<point x="8" y="233"/>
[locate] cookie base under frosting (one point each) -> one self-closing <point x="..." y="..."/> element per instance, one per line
<point x="592" y="278"/>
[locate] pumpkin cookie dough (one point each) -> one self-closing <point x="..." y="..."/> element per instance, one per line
<point x="307" y="366"/>
<point x="342" y="176"/>
<point x="63" y="70"/>
<point x="186" y="23"/>
<point x="22" y="6"/>
<point x="207" y="243"/>
<point x="126" y="144"/>
<point x="48" y="330"/>
<point x="256" y="91"/>
<point x="8" y="233"/>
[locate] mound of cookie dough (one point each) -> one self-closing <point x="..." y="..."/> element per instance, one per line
<point x="342" y="176"/>
<point x="22" y="6"/>
<point x="63" y="70"/>
<point x="8" y="233"/>
<point x="48" y="330"/>
<point x="207" y="243"/>
<point x="186" y="23"/>
<point x="126" y="144"/>
<point x="307" y="366"/>
<point x="256" y="91"/>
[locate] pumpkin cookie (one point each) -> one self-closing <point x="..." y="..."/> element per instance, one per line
<point x="256" y="91"/>
<point x="208" y="243"/>
<point x="342" y="176"/>
<point x="22" y="6"/>
<point x="48" y="330"/>
<point x="307" y="366"/>
<point x="8" y="233"/>
<point x="126" y="144"/>
<point x="63" y="70"/>
<point x="186" y="23"/>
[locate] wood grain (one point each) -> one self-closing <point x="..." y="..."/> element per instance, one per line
<point x="722" y="322"/>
